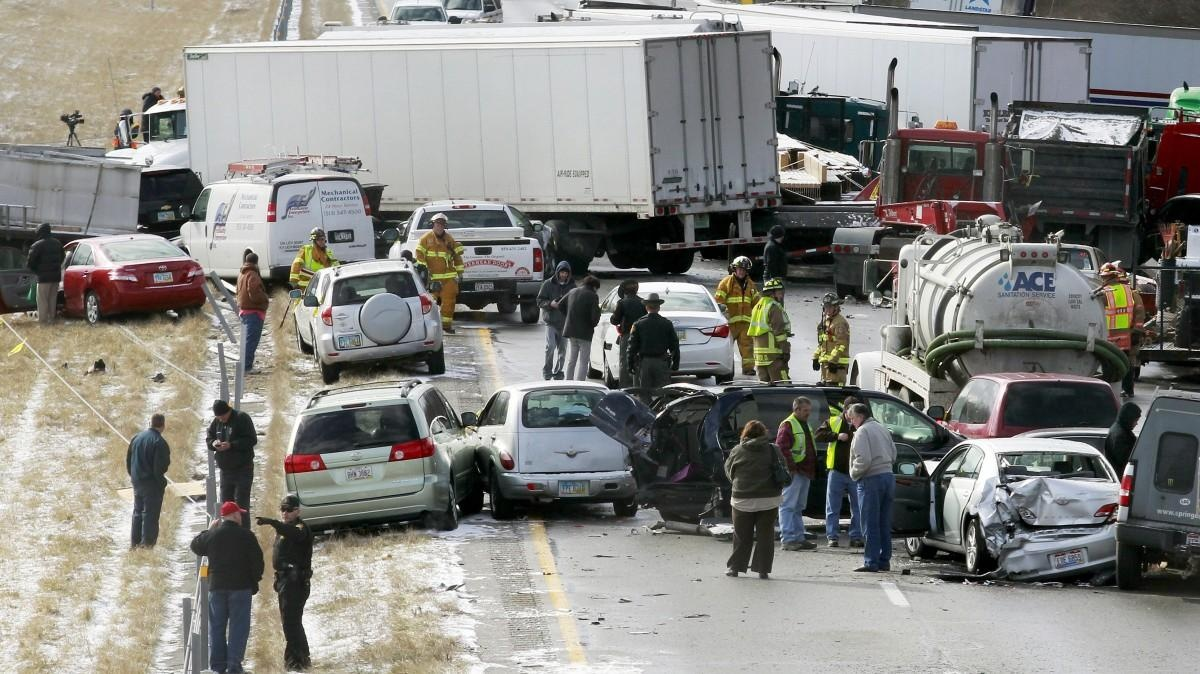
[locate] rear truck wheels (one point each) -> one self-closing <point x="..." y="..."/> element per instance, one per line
<point x="529" y="312"/>
<point x="91" y="308"/>
<point x="626" y="507"/>
<point x="978" y="559"/>
<point x="506" y="306"/>
<point x="502" y="508"/>
<point x="329" y="373"/>
<point x="437" y="361"/>
<point x="473" y="503"/>
<point x="679" y="262"/>
<point x="1129" y="566"/>
<point x="447" y="519"/>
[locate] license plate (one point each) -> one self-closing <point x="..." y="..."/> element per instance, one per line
<point x="360" y="473"/>
<point x="349" y="341"/>
<point x="1068" y="559"/>
<point x="162" y="277"/>
<point x="165" y="215"/>
<point x="573" y="488"/>
<point x="1193" y="539"/>
<point x="485" y="287"/>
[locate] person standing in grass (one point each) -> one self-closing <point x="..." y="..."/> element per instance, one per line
<point x="235" y="568"/>
<point x="45" y="259"/>
<point x="147" y="460"/>
<point x="252" y="301"/>
<point x="293" y="570"/>
<point x="232" y="436"/>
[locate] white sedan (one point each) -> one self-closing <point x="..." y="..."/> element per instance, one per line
<point x="705" y="347"/>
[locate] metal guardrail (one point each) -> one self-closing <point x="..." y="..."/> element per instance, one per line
<point x="279" y="32"/>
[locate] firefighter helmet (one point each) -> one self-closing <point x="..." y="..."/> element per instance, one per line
<point x="741" y="262"/>
<point x="773" y="284"/>
<point x="316" y="233"/>
<point x="830" y="299"/>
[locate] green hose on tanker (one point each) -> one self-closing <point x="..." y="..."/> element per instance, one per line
<point x="1113" y="362"/>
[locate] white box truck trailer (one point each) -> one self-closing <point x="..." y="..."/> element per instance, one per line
<point x="635" y="141"/>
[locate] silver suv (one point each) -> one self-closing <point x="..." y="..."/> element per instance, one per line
<point x="382" y="452"/>
<point x="368" y="312"/>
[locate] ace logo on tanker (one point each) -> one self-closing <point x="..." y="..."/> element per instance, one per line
<point x="1027" y="284"/>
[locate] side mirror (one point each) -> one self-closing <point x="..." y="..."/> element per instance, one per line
<point x="295" y="293"/>
<point x="908" y="469"/>
<point x="390" y="235"/>
<point x="875" y="298"/>
<point x="310" y="300"/>
<point x="937" y="412"/>
<point x="867" y="152"/>
<point x="470" y="419"/>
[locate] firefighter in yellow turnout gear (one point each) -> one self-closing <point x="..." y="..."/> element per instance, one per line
<point x="832" y="356"/>
<point x="441" y="256"/>
<point x="737" y="293"/>
<point x="770" y="328"/>
<point x="312" y="258"/>
<point x="1124" y="316"/>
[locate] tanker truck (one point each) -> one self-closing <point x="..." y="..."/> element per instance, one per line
<point x="986" y="302"/>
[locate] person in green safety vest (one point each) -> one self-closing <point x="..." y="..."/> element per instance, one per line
<point x="770" y="328"/>
<point x="795" y="440"/>
<point x="838" y="432"/>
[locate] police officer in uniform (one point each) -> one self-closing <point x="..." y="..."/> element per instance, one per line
<point x="653" y="347"/>
<point x="293" y="569"/>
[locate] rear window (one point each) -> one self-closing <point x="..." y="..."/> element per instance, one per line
<point x="418" y="13"/>
<point x="1023" y="465"/>
<point x="140" y="249"/>
<point x="559" y="408"/>
<point x="170" y="186"/>
<point x="468" y="217"/>
<point x="1059" y="405"/>
<point x="1175" y="465"/>
<point x="685" y="301"/>
<point x="359" y="289"/>
<point x="345" y="430"/>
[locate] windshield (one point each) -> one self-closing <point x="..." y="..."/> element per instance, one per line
<point x="359" y="289"/>
<point x="466" y="218"/>
<point x="140" y="249"/>
<point x="344" y="430"/>
<point x="474" y="5"/>
<point x="418" y="13"/>
<point x="559" y="408"/>
<point x="941" y="158"/>
<point x="1046" y="404"/>
<point x="168" y="125"/>
<point x="1023" y="465"/>
<point x="170" y="186"/>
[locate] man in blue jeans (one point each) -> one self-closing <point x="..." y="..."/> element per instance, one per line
<point x="795" y="440"/>
<point x="235" y="567"/>
<point x="872" y="454"/>
<point x="147" y="460"/>
<point x="838" y="432"/>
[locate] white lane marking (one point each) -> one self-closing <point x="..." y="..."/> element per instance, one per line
<point x="894" y="594"/>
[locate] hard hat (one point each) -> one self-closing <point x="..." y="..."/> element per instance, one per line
<point x="436" y="217"/>
<point x="743" y="262"/>
<point x="830" y="299"/>
<point x="776" y="232"/>
<point x="773" y="284"/>
<point x="316" y="233"/>
<point x="1111" y="269"/>
<point x="988" y="219"/>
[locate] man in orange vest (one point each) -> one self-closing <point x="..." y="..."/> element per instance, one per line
<point x="442" y="257"/>
<point x="737" y="294"/>
<point x="1124" y="316"/>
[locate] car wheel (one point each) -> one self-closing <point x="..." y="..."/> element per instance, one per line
<point x="978" y="559"/>
<point x="330" y="372"/>
<point x="300" y="343"/>
<point x="445" y="520"/>
<point x="609" y="380"/>
<point x="473" y="503"/>
<point x="1129" y="566"/>
<point x="916" y="548"/>
<point x="506" y="306"/>
<point x="437" y="361"/>
<point x="502" y="508"/>
<point x="529" y="312"/>
<point x="91" y="308"/>
<point x="626" y="508"/>
<point x="723" y="378"/>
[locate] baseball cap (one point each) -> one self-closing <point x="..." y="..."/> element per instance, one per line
<point x="230" y="507"/>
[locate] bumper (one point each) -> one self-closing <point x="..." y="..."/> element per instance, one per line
<point x="1032" y="557"/>
<point x="601" y="487"/>
<point x="375" y="510"/>
<point x="1153" y="538"/>
<point x="416" y="350"/>
<point x="126" y="299"/>
<point x="493" y="289"/>
<point x="714" y="357"/>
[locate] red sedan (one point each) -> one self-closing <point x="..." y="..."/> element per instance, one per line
<point x="110" y="275"/>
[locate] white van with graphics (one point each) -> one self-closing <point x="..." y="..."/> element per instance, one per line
<point x="271" y="210"/>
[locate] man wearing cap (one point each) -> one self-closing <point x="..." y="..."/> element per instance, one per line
<point x="293" y="569"/>
<point x="441" y="256"/>
<point x="629" y="309"/>
<point x="775" y="261"/>
<point x="147" y="460"/>
<point x="235" y="567"/>
<point x="770" y="328"/>
<point x="232" y="436"/>
<point x="653" y="347"/>
<point x="832" y="356"/>
<point x="310" y="259"/>
<point x="1124" y="316"/>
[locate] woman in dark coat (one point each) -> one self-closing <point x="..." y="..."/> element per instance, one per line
<point x="755" y="501"/>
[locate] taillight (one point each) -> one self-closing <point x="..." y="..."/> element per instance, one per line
<point x="194" y="272"/>
<point x="302" y="463"/>
<point x="271" y="211"/>
<point x="327" y="316"/>
<point x="537" y="260"/>
<point x="506" y="460"/>
<point x="426" y="303"/>
<point x="366" y="204"/>
<point x="1108" y="511"/>
<point x="1125" y="495"/>
<point x="721" y="330"/>
<point x="414" y="449"/>
<point x="122" y="274"/>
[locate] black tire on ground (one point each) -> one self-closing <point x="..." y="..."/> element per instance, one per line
<point x="330" y="372"/>
<point x="621" y="260"/>
<point x="502" y="508"/>
<point x="476" y="306"/>
<point x="626" y="507"/>
<point x="978" y="559"/>
<point x="305" y="349"/>
<point x="437" y="361"/>
<point x="679" y="262"/>
<point x="723" y="378"/>
<point x="529" y="312"/>
<point x="506" y="306"/>
<point x="916" y="548"/>
<point x="91" y="308"/>
<point x="1129" y="566"/>
<point x="473" y="503"/>
<point x="444" y="520"/>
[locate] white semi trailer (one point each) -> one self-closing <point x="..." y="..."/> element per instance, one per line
<point x="639" y="141"/>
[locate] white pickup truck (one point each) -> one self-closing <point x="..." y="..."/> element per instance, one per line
<point x="502" y="253"/>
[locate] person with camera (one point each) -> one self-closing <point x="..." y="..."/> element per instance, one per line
<point x="235" y="568"/>
<point x="293" y="570"/>
<point x="231" y="435"/>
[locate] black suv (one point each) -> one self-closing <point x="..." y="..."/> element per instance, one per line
<point x="687" y="431"/>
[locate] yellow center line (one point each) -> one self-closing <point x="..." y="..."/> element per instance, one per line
<point x="538" y="536"/>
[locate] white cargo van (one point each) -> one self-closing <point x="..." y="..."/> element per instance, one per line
<point x="270" y="208"/>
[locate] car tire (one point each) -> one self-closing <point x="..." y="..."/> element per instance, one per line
<point x="974" y="545"/>
<point x="444" y="520"/>
<point x="506" y="306"/>
<point x="1129" y="566"/>
<point x="502" y="507"/>
<point x="473" y="503"/>
<point x="437" y="361"/>
<point x="916" y="548"/>
<point x="626" y="507"/>
<point x="330" y="372"/>
<point x="305" y="349"/>
<point x="91" y="308"/>
<point x="723" y="378"/>
<point x="529" y="312"/>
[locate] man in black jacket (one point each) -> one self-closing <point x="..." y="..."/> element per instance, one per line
<point x="235" y="567"/>
<point x="149" y="100"/>
<point x="147" y="460"/>
<point x="583" y="313"/>
<point x="293" y="569"/>
<point x="775" y="261"/>
<point x="628" y="310"/>
<point x="1120" y="441"/>
<point x="549" y="299"/>
<point x="231" y="435"/>
<point x="45" y="259"/>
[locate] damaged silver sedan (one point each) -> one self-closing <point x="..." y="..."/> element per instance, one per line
<point x="1021" y="508"/>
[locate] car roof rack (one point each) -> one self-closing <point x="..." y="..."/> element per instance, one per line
<point x="284" y="164"/>
<point x="405" y="386"/>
